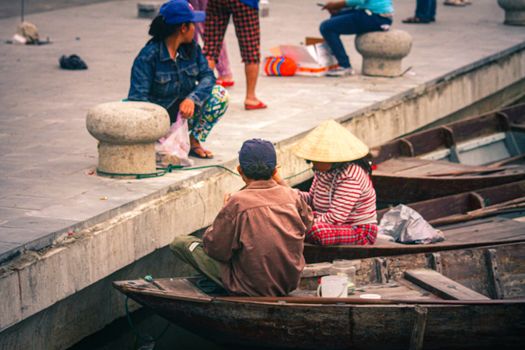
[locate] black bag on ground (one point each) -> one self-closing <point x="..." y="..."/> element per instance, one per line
<point x="73" y="62"/>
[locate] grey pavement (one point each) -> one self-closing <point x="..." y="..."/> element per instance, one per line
<point x="12" y="8"/>
<point x="47" y="158"/>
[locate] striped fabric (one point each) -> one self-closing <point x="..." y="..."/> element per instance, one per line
<point x="344" y="204"/>
<point x="343" y="196"/>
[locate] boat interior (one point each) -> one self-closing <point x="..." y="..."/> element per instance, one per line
<point x="477" y="276"/>
<point x="486" y="143"/>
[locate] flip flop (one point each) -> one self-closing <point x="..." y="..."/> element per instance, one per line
<point x="456" y="3"/>
<point x="415" y="20"/>
<point x="259" y="105"/>
<point x="225" y="83"/>
<point x="197" y="155"/>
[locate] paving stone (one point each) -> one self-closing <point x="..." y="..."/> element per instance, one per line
<point x="45" y="150"/>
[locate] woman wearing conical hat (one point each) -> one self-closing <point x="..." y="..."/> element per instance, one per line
<point x="342" y="195"/>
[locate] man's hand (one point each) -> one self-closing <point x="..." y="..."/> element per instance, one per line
<point x="334" y="6"/>
<point x="187" y="108"/>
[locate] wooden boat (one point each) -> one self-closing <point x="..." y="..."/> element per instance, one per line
<point x="472" y="298"/>
<point x="462" y="156"/>
<point x="494" y="215"/>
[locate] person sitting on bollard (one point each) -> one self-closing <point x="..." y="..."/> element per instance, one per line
<point x="352" y="17"/>
<point x="342" y="195"/>
<point x="171" y="71"/>
<point x="255" y="244"/>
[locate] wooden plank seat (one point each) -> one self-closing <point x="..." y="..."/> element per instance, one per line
<point x="442" y="286"/>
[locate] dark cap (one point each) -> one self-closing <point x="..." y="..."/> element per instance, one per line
<point x="257" y="151"/>
<point x="180" y="11"/>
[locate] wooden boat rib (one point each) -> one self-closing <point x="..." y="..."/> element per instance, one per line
<point x="468" y="298"/>
<point x="463" y="156"/>
<point x="470" y="219"/>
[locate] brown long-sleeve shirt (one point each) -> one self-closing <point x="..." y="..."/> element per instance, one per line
<point x="259" y="236"/>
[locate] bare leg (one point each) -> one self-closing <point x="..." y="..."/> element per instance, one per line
<point x="252" y="73"/>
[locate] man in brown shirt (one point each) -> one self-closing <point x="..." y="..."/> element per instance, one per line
<point x="255" y="244"/>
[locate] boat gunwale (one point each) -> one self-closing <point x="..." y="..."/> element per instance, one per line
<point x="291" y="301"/>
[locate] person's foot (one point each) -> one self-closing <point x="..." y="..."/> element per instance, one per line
<point x="251" y="105"/>
<point x="225" y="81"/>
<point x="417" y="20"/>
<point x="196" y="149"/>
<point x="459" y="3"/>
<point x="340" y="72"/>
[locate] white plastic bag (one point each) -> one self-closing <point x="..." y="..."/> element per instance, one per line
<point x="406" y="225"/>
<point x="175" y="146"/>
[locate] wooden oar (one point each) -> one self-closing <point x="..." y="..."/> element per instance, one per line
<point x="474" y="171"/>
<point x="517" y="204"/>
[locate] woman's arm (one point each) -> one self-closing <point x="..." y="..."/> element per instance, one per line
<point x="206" y="80"/>
<point x="141" y="79"/>
<point x="344" y="197"/>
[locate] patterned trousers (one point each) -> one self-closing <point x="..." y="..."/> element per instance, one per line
<point x="328" y="234"/>
<point x="247" y="29"/>
<point x="210" y="113"/>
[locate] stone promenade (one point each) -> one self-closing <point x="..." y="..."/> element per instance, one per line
<point x="47" y="157"/>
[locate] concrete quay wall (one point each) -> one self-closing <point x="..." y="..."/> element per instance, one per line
<point x="61" y="294"/>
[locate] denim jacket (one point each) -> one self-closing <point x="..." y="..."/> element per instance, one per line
<point x="157" y="78"/>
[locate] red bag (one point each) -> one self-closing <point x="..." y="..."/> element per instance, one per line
<point x="279" y="66"/>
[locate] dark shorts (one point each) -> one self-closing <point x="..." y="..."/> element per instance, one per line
<point x="247" y="29"/>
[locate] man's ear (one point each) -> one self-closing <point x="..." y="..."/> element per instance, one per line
<point x="274" y="172"/>
<point x="239" y="170"/>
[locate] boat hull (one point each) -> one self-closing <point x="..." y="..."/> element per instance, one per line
<point x="270" y="325"/>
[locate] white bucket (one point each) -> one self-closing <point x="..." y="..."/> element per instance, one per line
<point x="333" y="287"/>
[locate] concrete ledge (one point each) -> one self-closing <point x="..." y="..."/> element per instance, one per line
<point x="37" y="282"/>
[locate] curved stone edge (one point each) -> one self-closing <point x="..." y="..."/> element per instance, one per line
<point x="98" y="238"/>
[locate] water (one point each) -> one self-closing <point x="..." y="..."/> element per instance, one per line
<point x="118" y="335"/>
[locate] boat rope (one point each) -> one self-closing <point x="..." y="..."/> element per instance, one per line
<point x="146" y="338"/>
<point x="161" y="171"/>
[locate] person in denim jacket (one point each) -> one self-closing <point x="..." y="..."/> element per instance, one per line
<point x="171" y="71"/>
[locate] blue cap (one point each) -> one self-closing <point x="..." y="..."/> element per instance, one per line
<point x="180" y="11"/>
<point x="256" y="151"/>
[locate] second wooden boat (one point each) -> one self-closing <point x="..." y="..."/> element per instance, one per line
<point x="494" y="215"/>
<point x="462" y="156"/>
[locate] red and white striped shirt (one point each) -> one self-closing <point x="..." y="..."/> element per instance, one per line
<point x="343" y="196"/>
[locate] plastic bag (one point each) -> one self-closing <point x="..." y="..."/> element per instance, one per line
<point x="175" y="146"/>
<point x="279" y="66"/>
<point x="406" y="225"/>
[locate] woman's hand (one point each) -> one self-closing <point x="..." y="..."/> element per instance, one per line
<point x="277" y="177"/>
<point x="227" y="197"/>
<point x="334" y="6"/>
<point x="187" y="108"/>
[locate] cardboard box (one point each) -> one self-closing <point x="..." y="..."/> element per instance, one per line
<point x="313" y="59"/>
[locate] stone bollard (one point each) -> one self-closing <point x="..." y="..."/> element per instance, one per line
<point x="127" y="132"/>
<point x="514" y="11"/>
<point x="383" y="51"/>
<point x="148" y="9"/>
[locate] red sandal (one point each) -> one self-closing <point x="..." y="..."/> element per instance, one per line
<point x="259" y="105"/>
<point x="224" y="83"/>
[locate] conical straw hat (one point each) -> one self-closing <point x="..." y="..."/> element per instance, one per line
<point x="330" y="142"/>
